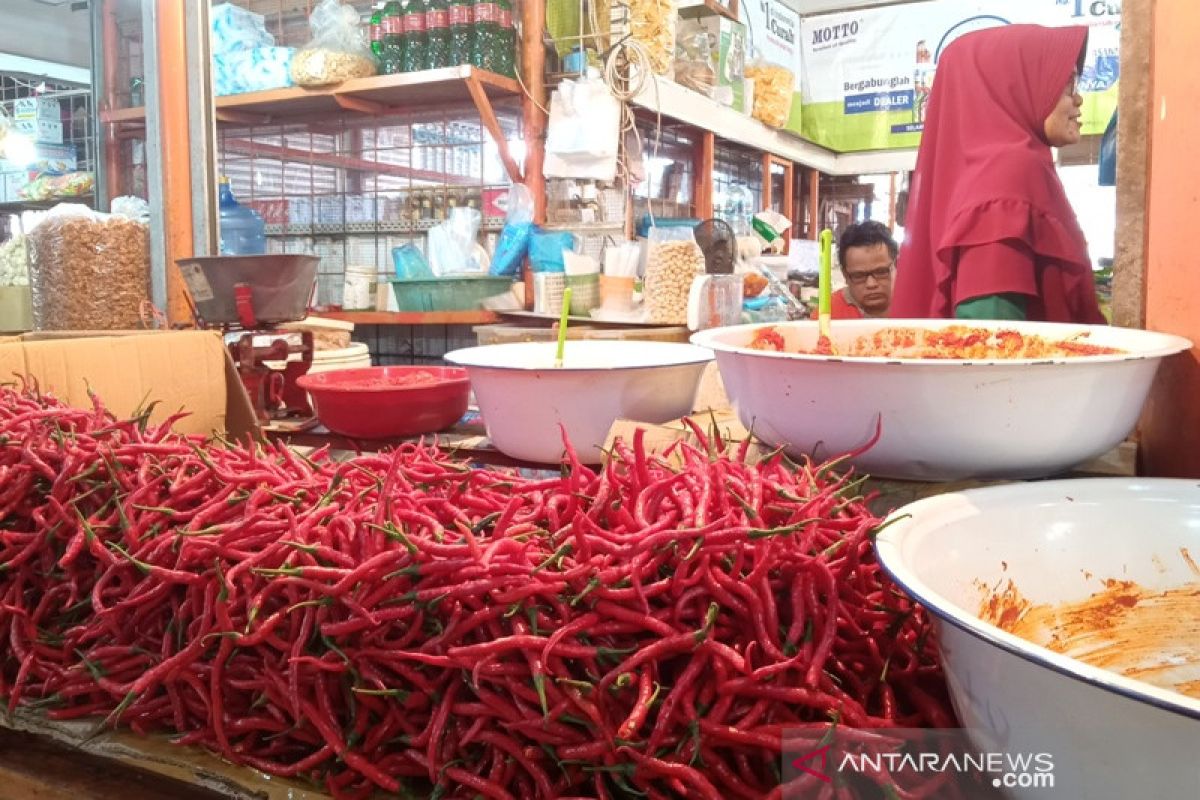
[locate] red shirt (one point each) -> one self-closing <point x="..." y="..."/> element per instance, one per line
<point x="841" y="308"/>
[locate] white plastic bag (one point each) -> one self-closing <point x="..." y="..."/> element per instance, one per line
<point x="584" y="132"/>
<point x="452" y="244"/>
<point x="337" y="52"/>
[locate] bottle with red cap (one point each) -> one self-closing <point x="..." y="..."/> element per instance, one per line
<point x="414" y="36"/>
<point x="391" y="60"/>
<point x="487" y="32"/>
<point x="437" y="34"/>
<point x="462" y="31"/>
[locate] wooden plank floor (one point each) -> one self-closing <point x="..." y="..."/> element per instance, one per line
<point x="36" y="768"/>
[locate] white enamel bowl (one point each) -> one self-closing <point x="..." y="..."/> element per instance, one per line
<point x="942" y="420"/>
<point x="524" y="399"/>
<point x="1058" y="541"/>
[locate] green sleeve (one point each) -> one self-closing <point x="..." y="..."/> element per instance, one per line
<point x="992" y="306"/>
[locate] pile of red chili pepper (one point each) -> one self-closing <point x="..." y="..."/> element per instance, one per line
<point x="402" y="622"/>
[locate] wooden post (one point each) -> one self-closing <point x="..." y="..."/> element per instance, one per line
<point x="533" y="58"/>
<point x="175" y="147"/>
<point x="704" y="157"/>
<point x="113" y="185"/>
<point x="533" y="63"/>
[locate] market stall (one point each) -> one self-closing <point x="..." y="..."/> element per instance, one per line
<point x="460" y="412"/>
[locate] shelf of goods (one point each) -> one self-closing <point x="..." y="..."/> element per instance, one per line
<point x="661" y="95"/>
<point x="376" y="96"/>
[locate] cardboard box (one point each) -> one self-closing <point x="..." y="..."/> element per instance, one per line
<point x="40" y="130"/>
<point x="45" y="108"/>
<point x="188" y="370"/>
<point x="728" y="53"/>
<point x="16" y="313"/>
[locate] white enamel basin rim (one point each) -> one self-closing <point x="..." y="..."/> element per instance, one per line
<point x="926" y="516"/>
<point x="1138" y="344"/>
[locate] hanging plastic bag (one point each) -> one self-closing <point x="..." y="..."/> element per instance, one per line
<point x="514" y="238"/>
<point x="774" y="87"/>
<point x="584" y="132"/>
<point x="1108" y="154"/>
<point x="337" y="52"/>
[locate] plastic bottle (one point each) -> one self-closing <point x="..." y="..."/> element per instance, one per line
<point x="243" y="232"/>
<point x="437" y="34"/>
<point x="392" y="61"/>
<point x="377" y="31"/>
<point x="486" y="33"/>
<point x="506" y="41"/>
<point x="462" y="22"/>
<point x="414" y="36"/>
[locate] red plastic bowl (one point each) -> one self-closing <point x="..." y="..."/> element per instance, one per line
<point x="385" y="402"/>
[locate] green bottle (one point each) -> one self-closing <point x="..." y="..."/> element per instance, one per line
<point x="392" y="60"/>
<point x="487" y="31"/>
<point x="377" y="31"/>
<point x="414" y="36"/>
<point x="462" y="22"/>
<point x="505" y="57"/>
<point x="437" y="34"/>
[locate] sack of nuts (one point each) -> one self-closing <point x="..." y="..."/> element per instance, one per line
<point x="88" y="271"/>
<point x="337" y="51"/>
<point x="673" y="260"/>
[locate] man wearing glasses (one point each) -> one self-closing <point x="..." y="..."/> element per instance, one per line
<point x="867" y="255"/>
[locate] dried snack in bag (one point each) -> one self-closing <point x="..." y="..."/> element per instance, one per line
<point x="88" y="271"/>
<point x="673" y="260"/>
<point x="773" y="89"/>
<point x="652" y="25"/>
<point x="338" y="50"/>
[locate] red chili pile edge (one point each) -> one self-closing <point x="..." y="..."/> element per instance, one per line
<point x="401" y="622"/>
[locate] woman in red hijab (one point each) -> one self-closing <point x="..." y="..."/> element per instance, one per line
<point x="989" y="233"/>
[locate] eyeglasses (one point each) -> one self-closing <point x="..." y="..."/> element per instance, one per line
<point x="880" y="274"/>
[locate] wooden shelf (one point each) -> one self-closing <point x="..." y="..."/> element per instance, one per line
<point x="379" y="95"/>
<point x="476" y="317"/>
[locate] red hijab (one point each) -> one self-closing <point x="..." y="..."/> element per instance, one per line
<point x="985" y="173"/>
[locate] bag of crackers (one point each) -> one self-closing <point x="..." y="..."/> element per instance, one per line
<point x="338" y="50"/>
<point x="773" y="90"/>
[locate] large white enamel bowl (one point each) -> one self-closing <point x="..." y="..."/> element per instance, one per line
<point x="524" y="398"/>
<point x="942" y="420"/>
<point x="1058" y="541"/>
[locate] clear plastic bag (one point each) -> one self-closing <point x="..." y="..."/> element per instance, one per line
<point x="694" y="63"/>
<point x="88" y="271"/>
<point x="774" y="87"/>
<point x="652" y="25"/>
<point x="452" y="243"/>
<point x="338" y="50"/>
<point x="673" y="260"/>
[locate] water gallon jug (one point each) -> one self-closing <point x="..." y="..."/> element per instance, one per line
<point x="243" y="232"/>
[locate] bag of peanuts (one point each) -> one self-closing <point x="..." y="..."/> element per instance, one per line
<point x="673" y="261"/>
<point x="338" y="51"/>
<point x="88" y="271"/>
